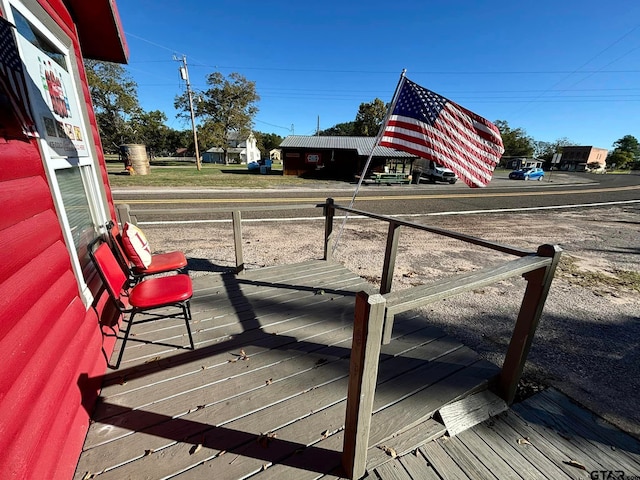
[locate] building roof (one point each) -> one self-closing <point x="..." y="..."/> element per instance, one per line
<point x="362" y="144"/>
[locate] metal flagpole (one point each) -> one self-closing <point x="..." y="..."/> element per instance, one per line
<point x="392" y="106"/>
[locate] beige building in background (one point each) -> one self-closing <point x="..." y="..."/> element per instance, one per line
<point x="576" y="158"/>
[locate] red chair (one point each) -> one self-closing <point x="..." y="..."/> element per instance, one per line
<point x="160" y="262"/>
<point x="149" y="294"/>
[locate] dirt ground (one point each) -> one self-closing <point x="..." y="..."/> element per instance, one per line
<point x="587" y="343"/>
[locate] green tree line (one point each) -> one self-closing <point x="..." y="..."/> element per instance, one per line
<point x="227" y="107"/>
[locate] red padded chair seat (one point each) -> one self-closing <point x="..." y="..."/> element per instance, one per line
<point x="163" y="262"/>
<point x="154" y="292"/>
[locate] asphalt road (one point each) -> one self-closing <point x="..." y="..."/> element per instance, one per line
<point x="560" y="189"/>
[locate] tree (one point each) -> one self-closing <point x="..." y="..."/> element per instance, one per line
<point x="369" y="118"/>
<point x="267" y="142"/>
<point x="115" y="100"/>
<point x="149" y="128"/>
<point x="346" y="129"/>
<point x="626" y="152"/>
<point x="179" y="139"/>
<point x="546" y="150"/>
<point x="620" y="159"/>
<point x="516" y="141"/>
<point x="629" y="144"/>
<point x="227" y="108"/>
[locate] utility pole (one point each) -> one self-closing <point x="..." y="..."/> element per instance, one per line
<point x="184" y="74"/>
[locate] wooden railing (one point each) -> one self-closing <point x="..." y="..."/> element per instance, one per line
<point x="373" y="322"/>
<point x="374" y="314"/>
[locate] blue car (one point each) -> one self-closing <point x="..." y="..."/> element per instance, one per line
<point x="529" y="173"/>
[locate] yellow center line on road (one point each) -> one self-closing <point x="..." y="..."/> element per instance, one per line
<point x="374" y="198"/>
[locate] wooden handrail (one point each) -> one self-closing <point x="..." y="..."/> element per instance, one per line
<point x="411" y="298"/>
<point x="440" y="231"/>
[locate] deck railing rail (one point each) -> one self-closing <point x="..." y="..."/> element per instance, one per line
<point x="374" y="314"/>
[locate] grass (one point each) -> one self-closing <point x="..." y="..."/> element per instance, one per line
<point x="615" y="278"/>
<point x="183" y="173"/>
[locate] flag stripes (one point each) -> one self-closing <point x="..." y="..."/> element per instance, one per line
<point x="428" y="125"/>
<point x="12" y="80"/>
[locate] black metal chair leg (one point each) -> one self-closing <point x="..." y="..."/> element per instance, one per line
<point x="186" y="308"/>
<point x="124" y="341"/>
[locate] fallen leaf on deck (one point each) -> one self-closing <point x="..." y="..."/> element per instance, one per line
<point x="269" y="382"/>
<point x="87" y="476"/>
<point x="265" y="440"/>
<point x="325" y="434"/>
<point x="123" y="381"/>
<point x="148" y="452"/>
<point x="319" y="292"/>
<point x="524" y="441"/>
<point x="575" y="464"/>
<point x="195" y="449"/>
<point x="388" y="450"/>
<point x="154" y="359"/>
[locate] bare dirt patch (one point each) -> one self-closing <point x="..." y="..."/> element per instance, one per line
<point x="588" y="341"/>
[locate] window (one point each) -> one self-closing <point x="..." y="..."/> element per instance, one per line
<point x="68" y="158"/>
<point x="75" y="202"/>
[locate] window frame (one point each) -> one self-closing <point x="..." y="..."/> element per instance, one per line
<point x="87" y="164"/>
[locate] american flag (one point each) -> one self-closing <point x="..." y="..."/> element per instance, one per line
<point x="12" y="81"/>
<point x="430" y="126"/>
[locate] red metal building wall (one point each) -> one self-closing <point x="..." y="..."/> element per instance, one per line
<point x="53" y="350"/>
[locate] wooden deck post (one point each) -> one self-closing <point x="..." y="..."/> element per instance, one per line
<point x="538" y="284"/>
<point x="237" y="240"/>
<point x="123" y="212"/>
<point x="329" y="212"/>
<point x="390" y="258"/>
<point x="363" y="374"/>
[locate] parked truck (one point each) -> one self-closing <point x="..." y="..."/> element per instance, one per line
<point x="432" y="171"/>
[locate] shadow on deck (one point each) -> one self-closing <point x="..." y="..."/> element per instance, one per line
<point x="264" y="393"/>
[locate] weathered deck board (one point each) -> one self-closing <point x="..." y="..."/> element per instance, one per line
<point x="417" y="467"/>
<point x="538" y="411"/>
<point x="583" y="422"/>
<point x="520" y="443"/>
<point x="393" y="471"/>
<point x="296" y="409"/>
<point x="272" y="357"/>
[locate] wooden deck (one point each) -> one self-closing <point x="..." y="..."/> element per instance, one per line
<point x="264" y="393"/>
<point x="545" y="437"/>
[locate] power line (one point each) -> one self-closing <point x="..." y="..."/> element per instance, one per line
<point x="578" y="70"/>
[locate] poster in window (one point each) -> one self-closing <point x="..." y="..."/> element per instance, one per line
<point x="54" y="103"/>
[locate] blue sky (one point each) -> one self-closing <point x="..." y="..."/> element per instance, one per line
<point x="554" y="68"/>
